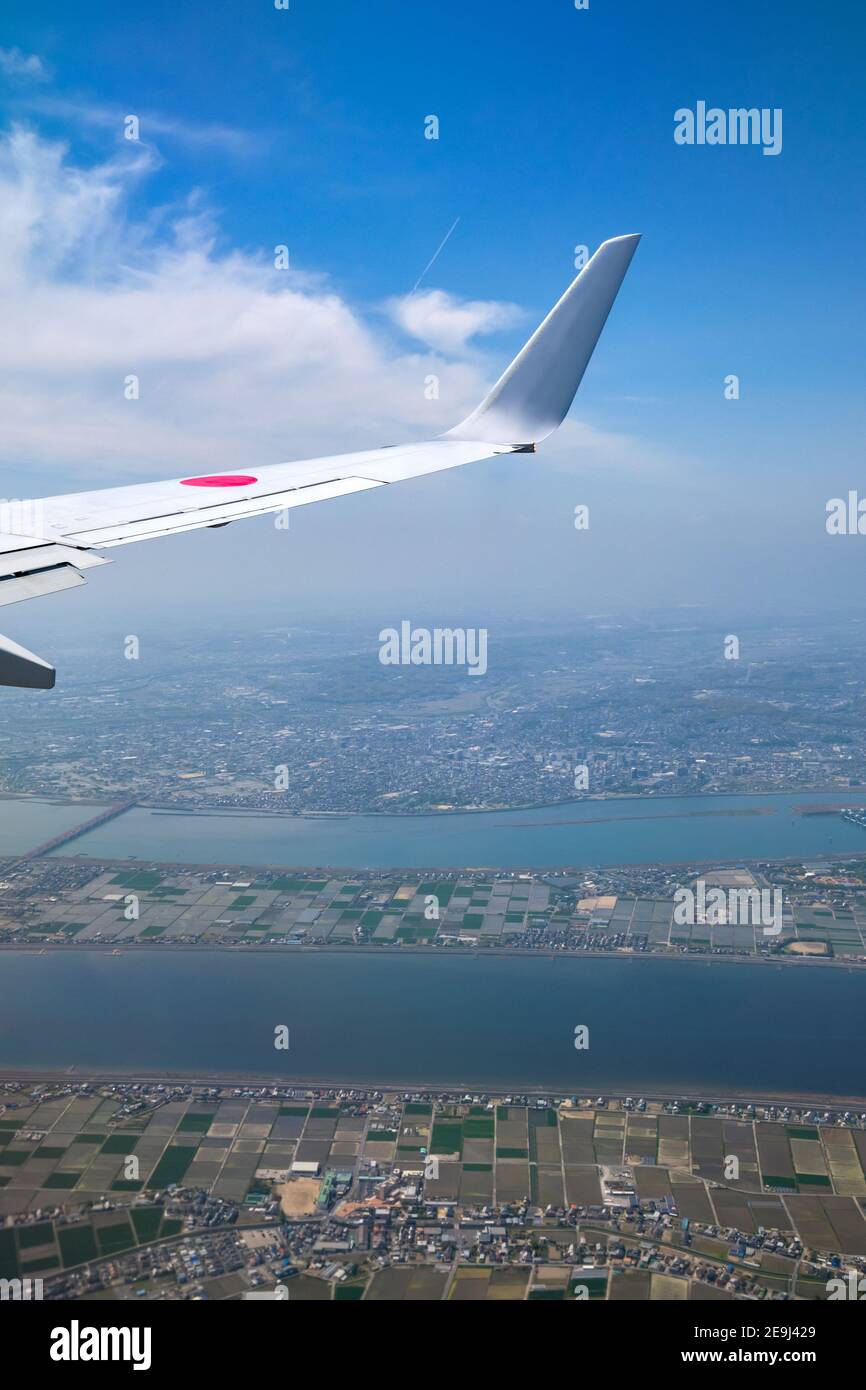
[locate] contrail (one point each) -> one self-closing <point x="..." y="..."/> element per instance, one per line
<point x="434" y="256"/>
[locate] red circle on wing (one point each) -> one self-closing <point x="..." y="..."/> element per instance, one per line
<point x="220" y="480"/>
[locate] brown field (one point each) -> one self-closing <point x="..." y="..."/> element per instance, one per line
<point x="298" y="1196"/>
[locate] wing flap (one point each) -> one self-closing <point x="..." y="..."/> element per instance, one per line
<point x="24" y="555"/>
<point x="16" y="588"/>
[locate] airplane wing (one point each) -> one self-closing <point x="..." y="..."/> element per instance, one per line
<point x="61" y="536"/>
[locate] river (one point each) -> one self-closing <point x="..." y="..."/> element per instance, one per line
<point x="635" y="830"/>
<point x="455" y="1020"/>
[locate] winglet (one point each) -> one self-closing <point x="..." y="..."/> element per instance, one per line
<point x="531" y="398"/>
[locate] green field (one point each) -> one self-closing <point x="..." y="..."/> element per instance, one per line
<point x="172" y="1165"/>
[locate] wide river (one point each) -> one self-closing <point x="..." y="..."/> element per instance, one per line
<point x="637" y="830"/>
<point x="458" y="1020"/>
<point x="28" y="821"/>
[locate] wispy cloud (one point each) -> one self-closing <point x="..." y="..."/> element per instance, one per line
<point x="18" y="66"/>
<point x="153" y="125"/>
<point x="32" y="94"/>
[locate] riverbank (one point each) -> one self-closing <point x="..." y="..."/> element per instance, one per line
<point x="155" y="947"/>
<point x="429" y="1089"/>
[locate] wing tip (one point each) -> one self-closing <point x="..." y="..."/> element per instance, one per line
<point x="532" y="397"/>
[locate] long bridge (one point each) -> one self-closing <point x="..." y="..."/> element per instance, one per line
<point x="108" y="813"/>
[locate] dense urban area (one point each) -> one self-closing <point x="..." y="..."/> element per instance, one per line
<point x="310" y="720"/>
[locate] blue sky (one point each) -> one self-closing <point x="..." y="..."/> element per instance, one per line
<point x="305" y="127"/>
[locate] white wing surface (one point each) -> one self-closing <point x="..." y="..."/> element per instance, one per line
<point x="527" y="403"/>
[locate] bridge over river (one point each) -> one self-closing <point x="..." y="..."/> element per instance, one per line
<point x="106" y="814"/>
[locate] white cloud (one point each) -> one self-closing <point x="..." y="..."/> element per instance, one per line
<point x="242" y="365"/>
<point x="18" y="65"/>
<point x="237" y="361"/>
<point x="446" y="323"/>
